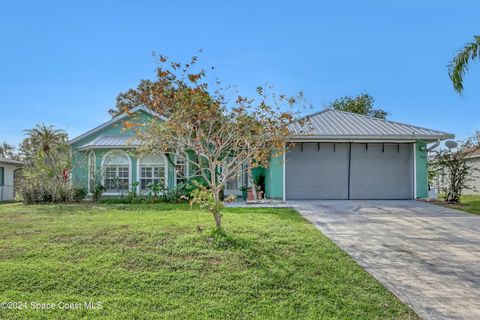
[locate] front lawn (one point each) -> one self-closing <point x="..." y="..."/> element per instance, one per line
<point x="468" y="203"/>
<point x="147" y="262"/>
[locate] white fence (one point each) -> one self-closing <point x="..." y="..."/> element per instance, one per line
<point x="6" y="193"/>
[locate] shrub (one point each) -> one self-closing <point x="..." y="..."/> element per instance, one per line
<point x="32" y="191"/>
<point x="454" y="165"/>
<point x="79" y="194"/>
<point x="156" y="194"/>
<point x="98" y="190"/>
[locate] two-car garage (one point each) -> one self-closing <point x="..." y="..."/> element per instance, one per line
<point x="342" y="155"/>
<point x="341" y="170"/>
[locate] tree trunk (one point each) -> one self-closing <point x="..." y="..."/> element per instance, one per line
<point x="218" y="220"/>
<point x="216" y="212"/>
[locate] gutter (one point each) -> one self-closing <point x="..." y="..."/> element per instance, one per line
<point x="367" y="138"/>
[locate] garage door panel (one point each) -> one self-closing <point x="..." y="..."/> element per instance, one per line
<point x="317" y="171"/>
<point x="377" y="171"/>
<point x="381" y="171"/>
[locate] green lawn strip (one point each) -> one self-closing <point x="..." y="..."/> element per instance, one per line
<point x="468" y="203"/>
<point x="148" y="261"/>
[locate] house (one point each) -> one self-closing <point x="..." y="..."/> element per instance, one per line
<point x="331" y="155"/>
<point x="473" y="160"/>
<point x="7" y="175"/>
<point x="474" y="182"/>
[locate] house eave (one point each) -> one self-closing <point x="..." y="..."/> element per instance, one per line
<point x="369" y="138"/>
<point x="9" y="162"/>
<point x="108" y="147"/>
<point x="114" y="120"/>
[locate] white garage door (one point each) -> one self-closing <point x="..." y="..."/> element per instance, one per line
<point x="349" y="171"/>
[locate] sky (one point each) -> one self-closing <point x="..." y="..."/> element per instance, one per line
<point x="64" y="62"/>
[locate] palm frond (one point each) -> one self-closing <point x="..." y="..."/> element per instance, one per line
<point x="459" y="65"/>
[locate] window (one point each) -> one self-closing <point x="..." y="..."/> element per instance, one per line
<point x="152" y="171"/>
<point x="240" y="179"/>
<point x="181" y="169"/>
<point x="117" y="172"/>
<point x="91" y="171"/>
<point x="245" y="174"/>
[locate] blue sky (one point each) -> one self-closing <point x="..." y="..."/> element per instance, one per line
<point x="64" y="62"/>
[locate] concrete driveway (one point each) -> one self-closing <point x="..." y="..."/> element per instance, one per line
<point x="429" y="256"/>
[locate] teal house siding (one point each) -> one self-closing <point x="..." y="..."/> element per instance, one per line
<point x="80" y="166"/>
<point x="82" y="147"/>
<point x="274" y="178"/>
<point x="80" y="157"/>
<point x="421" y="169"/>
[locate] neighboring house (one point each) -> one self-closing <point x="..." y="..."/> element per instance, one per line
<point x="474" y="183"/>
<point x="440" y="182"/>
<point x="7" y="175"/>
<point x="333" y="155"/>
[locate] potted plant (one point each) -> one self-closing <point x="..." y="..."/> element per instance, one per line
<point x="244" y="190"/>
<point x="260" y="183"/>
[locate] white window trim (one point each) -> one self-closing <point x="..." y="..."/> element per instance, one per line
<point x="242" y="172"/>
<point x="165" y="161"/>
<point x="104" y="158"/>
<point x="88" y="169"/>
<point x="187" y="172"/>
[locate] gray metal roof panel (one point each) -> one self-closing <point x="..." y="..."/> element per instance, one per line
<point x="10" y="161"/>
<point x="333" y="123"/>
<point x="112" y="141"/>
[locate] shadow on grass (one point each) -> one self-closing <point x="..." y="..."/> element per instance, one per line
<point x="280" y="213"/>
<point x="150" y="207"/>
<point x="223" y="240"/>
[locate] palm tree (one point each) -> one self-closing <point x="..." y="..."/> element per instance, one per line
<point x="45" y="137"/>
<point x="8" y="151"/>
<point x="459" y="65"/>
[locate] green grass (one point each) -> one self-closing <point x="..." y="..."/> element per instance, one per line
<point x="148" y="262"/>
<point x="468" y="204"/>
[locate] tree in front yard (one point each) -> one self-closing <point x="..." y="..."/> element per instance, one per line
<point x="218" y="136"/>
<point x="453" y="165"/>
<point x="361" y="104"/>
<point x="45" y="140"/>
<point x="46" y="155"/>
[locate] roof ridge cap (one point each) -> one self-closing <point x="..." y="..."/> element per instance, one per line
<point x="313" y="114"/>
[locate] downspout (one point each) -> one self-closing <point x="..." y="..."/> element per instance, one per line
<point x="436" y="144"/>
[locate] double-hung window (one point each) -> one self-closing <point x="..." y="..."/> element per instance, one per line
<point x="152" y="172"/>
<point x="181" y="169"/>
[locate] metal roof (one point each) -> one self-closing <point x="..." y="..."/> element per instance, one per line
<point x="10" y="161"/>
<point x="112" y="142"/>
<point x="334" y="124"/>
